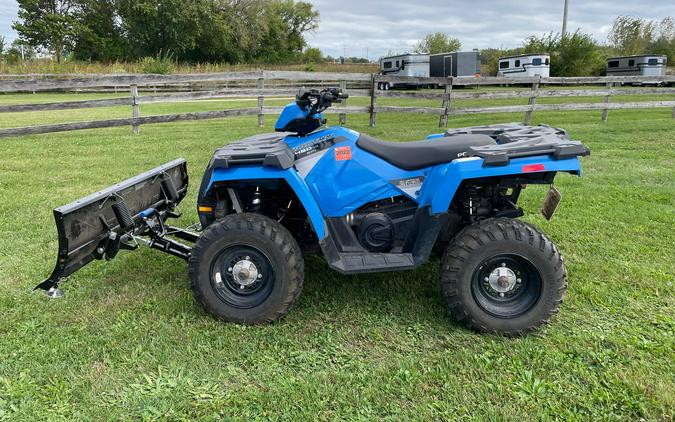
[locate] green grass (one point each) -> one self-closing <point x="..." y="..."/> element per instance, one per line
<point x="129" y="342"/>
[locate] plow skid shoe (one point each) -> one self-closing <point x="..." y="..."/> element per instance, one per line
<point x="93" y="227"/>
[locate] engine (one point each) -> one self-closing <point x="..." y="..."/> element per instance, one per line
<point x="382" y="225"/>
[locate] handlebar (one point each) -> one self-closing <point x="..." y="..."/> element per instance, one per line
<point x="319" y="100"/>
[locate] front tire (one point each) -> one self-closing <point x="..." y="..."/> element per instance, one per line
<point x="502" y="276"/>
<point x="246" y="268"/>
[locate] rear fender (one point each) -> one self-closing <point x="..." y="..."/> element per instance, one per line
<point x="444" y="180"/>
<point x="248" y="173"/>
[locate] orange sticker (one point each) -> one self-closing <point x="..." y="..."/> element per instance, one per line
<point x="343" y="153"/>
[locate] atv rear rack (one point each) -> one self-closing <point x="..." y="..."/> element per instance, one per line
<point x="515" y="140"/>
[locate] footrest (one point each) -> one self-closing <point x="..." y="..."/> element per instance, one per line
<point x="373" y="262"/>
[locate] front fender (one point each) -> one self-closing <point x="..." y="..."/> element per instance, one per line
<point x="444" y="180"/>
<point x="247" y="173"/>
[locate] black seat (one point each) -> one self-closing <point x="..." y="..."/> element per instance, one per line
<point x="418" y="154"/>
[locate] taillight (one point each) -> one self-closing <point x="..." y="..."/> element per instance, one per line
<point x="533" y="167"/>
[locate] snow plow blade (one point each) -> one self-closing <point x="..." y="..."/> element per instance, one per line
<point x="99" y="225"/>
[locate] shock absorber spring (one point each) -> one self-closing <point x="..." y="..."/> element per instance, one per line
<point x="469" y="202"/>
<point x="257" y="199"/>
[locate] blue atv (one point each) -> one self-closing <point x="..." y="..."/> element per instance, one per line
<point x="365" y="204"/>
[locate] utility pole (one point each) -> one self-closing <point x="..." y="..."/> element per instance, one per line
<point x="564" y="28"/>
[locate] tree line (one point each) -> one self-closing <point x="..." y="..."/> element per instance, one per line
<point x="232" y="31"/>
<point x="575" y="54"/>
<point x="272" y="31"/>
<point x="579" y="54"/>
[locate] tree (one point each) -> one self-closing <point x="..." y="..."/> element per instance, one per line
<point x="664" y="42"/>
<point x="489" y="59"/>
<point x="152" y="27"/>
<point x="216" y="30"/>
<point x="356" y="60"/>
<point x="48" y="24"/>
<point x="285" y="23"/>
<point x="99" y="36"/>
<point x="631" y="35"/>
<point x="437" y="42"/>
<point x="665" y="47"/>
<point x="572" y="55"/>
<point x="19" y="50"/>
<point x="191" y="31"/>
<point x="2" y="45"/>
<point x="313" y="55"/>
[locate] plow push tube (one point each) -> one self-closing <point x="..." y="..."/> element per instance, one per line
<point x="98" y="225"/>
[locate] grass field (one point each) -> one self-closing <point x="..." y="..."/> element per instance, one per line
<point x="129" y="342"/>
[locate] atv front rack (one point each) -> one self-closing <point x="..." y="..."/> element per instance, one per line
<point x="119" y="218"/>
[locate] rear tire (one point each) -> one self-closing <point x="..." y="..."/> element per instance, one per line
<point x="246" y="268"/>
<point x="502" y="276"/>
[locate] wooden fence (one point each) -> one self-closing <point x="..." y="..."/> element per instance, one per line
<point x="263" y="85"/>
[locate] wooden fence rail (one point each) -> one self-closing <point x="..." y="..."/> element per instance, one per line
<point x="263" y="85"/>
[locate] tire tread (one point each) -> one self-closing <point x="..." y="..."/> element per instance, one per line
<point x="269" y="229"/>
<point x="482" y="234"/>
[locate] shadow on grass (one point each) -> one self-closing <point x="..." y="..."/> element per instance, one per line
<point x="149" y="282"/>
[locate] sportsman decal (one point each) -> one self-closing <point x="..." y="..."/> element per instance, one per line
<point x="316" y="145"/>
<point x="410" y="186"/>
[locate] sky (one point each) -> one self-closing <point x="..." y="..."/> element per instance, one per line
<point x="371" y="29"/>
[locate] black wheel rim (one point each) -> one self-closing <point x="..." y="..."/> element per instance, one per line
<point x="506" y="294"/>
<point x="231" y="290"/>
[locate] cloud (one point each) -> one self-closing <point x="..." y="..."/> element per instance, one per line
<point x="358" y="27"/>
<point x="362" y="27"/>
<point x="8" y="10"/>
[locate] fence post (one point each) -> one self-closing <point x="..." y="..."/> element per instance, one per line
<point x="373" y="100"/>
<point x="532" y="102"/>
<point x="605" y="112"/>
<point x="135" y="107"/>
<point x="342" y="117"/>
<point x="261" y="102"/>
<point x="443" y="121"/>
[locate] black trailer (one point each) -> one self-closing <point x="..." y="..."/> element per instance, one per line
<point x="458" y="63"/>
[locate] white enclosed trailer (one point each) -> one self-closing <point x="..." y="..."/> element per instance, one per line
<point x="404" y="65"/>
<point x="525" y="65"/>
<point x="647" y="65"/>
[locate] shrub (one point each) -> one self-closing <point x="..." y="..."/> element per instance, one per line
<point x="313" y="55"/>
<point x="160" y="64"/>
